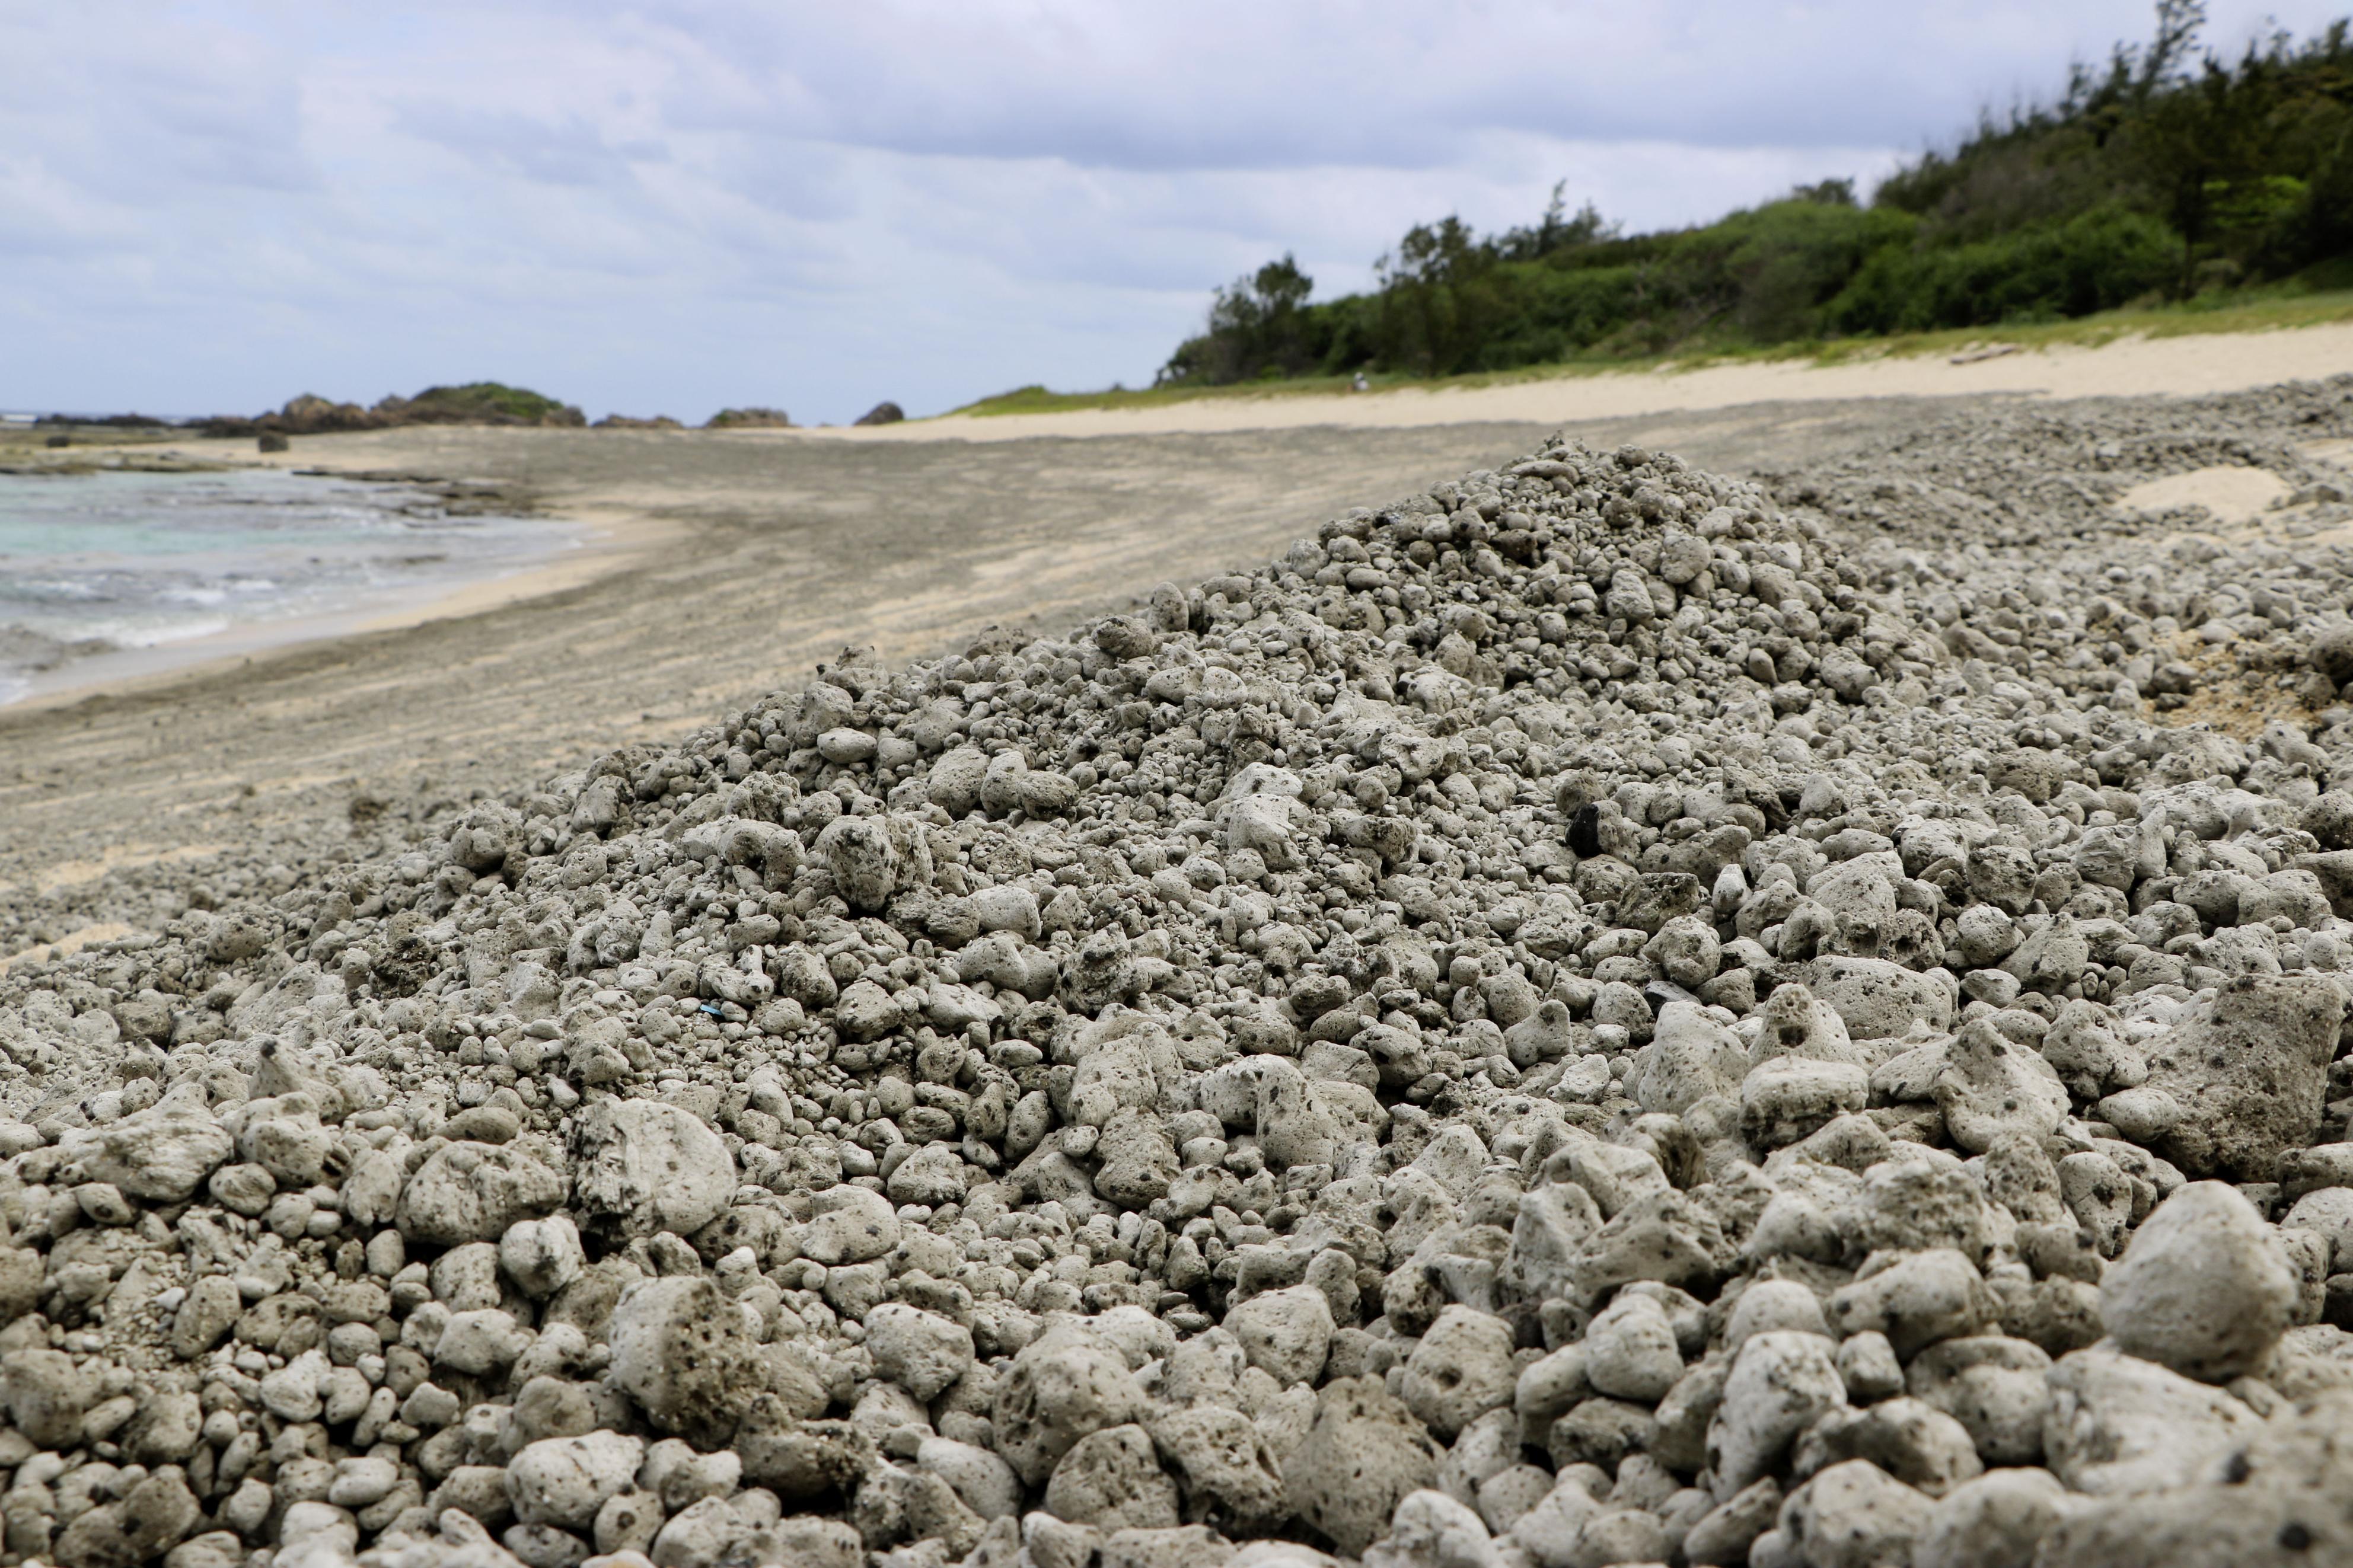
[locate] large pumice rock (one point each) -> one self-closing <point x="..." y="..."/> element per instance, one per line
<point x="1285" y="1333"/>
<point x="1111" y="1479"/>
<point x="1877" y="998"/>
<point x="564" y="1481"/>
<point x="2249" y="1071"/>
<point x="1998" y="1517"/>
<point x="1991" y="1088"/>
<point x="2117" y="1424"/>
<point x="468" y="1192"/>
<point x="1779" y="1385"/>
<point x="161" y="1155"/>
<point x="680" y="1350"/>
<point x="921" y="1351"/>
<point x="1461" y="1370"/>
<point x="153" y="1515"/>
<point x="644" y="1167"/>
<point x="1853" y="1515"/>
<point x="851" y="1224"/>
<point x="1225" y="1464"/>
<point x="1363" y="1454"/>
<point x="1062" y="1388"/>
<point x="2204" y="1289"/>
<point x="2277" y="1497"/>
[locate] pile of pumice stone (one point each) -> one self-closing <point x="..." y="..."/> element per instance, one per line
<point x="1574" y="1019"/>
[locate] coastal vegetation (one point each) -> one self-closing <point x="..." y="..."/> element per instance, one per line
<point x="482" y="403"/>
<point x="2166" y="178"/>
<point x="475" y="403"/>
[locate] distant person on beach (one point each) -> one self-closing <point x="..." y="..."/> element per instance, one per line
<point x="1360" y="383"/>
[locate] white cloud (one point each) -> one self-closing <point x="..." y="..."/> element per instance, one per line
<point x="681" y="203"/>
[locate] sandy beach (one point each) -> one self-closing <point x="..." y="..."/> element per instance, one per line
<point x="722" y="565"/>
<point x="2177" y="366"/>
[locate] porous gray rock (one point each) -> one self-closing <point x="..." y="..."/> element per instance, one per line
<point x="467" y="1192"/>
<point x="542" y="1255"/>
<point x="1286" y="1334"/>
<point x="642" y="1165"/>
<point x="1789" y="1097"/>
<point x="681" y="1348"/>
<point x="1917" y="1300"/>
<point x="1461" y="1369"/>
<point x="1062" y="1386"/>
<point x="1779" y="1385"/>
<point x="851" y="1224"/>
<point x="921" y="1351"/>
<point x="564" y="1481"/>
<point x="1630" y="1351"/>
<point x="2278" y="1496"/>
<point x="2249" y="1071"/>
<point x="45" y="1395"/>
<point x="1992" y="1088"/>
<point x="1724" y="1534"/>
<point x="1111" y="1479"/>
<point x="151" y="1516"/>
<point x="1430" y="1527"/>
<point x="1227" y="1470"/>
<point x="1997" y="1521"/>
<point x="2119" y="1423"/>
<point x="1853" y="1515"/>
<point x="161" y="1155"/>
<point x="1364" y="1453"/>
<point x="983" y="1482"/>
<point x="2204" y="1287"/>
<point x="1912" y="1441"/>
<point x="1995" y="1385"/>
<point x="1691" y="1057"/>
<point x="1877" y="998"/>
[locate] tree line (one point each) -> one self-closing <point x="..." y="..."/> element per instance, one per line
<point x="2164" y="173"/>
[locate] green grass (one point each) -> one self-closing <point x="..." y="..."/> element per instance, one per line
<point x="2317" y="299"/>
<point x="16" y="439"/>
<point x="2282" y="307"/>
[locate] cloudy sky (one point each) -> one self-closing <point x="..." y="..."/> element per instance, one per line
<point x="674" y="205"/>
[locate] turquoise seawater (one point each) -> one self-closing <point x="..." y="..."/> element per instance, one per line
<point x="98" y="564"/>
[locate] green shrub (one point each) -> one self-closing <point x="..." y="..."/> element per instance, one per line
<point x="489" y="402"/>
<point x="2155" y="173"/>
<point x="2096" y="262"/>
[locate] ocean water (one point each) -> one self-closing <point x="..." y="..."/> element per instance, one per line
<point x="97" y="566"/>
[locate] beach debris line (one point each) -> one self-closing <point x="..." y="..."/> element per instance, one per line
<point x="1576" y="1017"/>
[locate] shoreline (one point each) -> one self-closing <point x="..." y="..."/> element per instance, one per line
<point x="589" y="548"/>
<point x="128" y="670"/>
